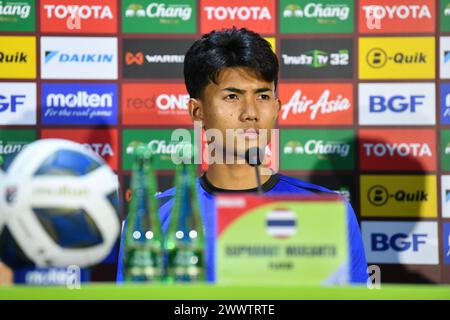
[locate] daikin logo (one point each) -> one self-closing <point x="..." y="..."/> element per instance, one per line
<point x="78" y="58"/>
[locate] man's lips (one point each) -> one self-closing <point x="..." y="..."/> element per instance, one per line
<point x="251" y="133"/>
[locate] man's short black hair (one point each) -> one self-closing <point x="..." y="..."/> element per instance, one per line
<point x="227" y="48"/>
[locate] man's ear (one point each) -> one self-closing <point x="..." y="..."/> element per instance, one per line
<point x="196" y="109"/>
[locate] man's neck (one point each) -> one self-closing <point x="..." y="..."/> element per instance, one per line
<point x="234" y="176"/>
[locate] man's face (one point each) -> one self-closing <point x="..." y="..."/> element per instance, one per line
<point x="241" y="101"/>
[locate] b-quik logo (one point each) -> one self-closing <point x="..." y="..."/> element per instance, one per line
<point x="397" y="58"/>
<point x="400" y="242"/>
<point x="398" y="196"/>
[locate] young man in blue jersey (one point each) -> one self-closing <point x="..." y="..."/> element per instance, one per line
<point x="231" y="76"/>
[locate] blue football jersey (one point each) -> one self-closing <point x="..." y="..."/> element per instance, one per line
<point x="277" y="184"/>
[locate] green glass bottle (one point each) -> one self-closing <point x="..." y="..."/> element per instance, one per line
<point x="184" y="242"/>
<point x="143" y="254"/>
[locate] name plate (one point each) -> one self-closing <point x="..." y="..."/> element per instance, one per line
<point x="281" y="240"/>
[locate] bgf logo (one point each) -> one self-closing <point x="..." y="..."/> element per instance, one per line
<point x="11" y="102"/>
<point x="400" y="242"/>
<point x="397" y="103"/>
<point x="397" y="242"/>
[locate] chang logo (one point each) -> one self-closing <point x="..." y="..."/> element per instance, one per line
<point x="160" y="11"/>
<point x="10" y="9"/>
<point x="318" y="147"/>
<point x="317" y="10"/>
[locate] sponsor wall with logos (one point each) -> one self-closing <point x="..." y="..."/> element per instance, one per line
<point x="364" y="84"/>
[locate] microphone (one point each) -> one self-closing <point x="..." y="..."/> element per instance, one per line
<point x="254" y="156"/>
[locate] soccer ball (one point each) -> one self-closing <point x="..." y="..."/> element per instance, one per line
<point x="58" y="206"/>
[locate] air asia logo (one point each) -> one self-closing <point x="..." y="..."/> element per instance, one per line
<point x="17" y="103"/>
<point x="398" y="149"/>
<point x="328" y="104"/>
<point x="378" y="195"/>
<point x="162" y="11"/>
<point x="102" y="141"/>
<point x="326" y="11"/>
<point x="78" y="16"/>
<point x="315" y="149"/>
<point x="316" y="58"/>
<point x="154" y="58"/>
<point x="78" y="58"/>
<point x="400" y="242"/>
<point x="397" y="104"/>
<point x="79" y="104"/>
<point x="403" y="16"/>
<point x="255" y="15"/>
<point x="155" y="104"/>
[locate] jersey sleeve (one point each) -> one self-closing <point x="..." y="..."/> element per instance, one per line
<point x="358" y="264"/>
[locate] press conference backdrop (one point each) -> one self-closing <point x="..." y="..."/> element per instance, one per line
<point x="364" y="84"/>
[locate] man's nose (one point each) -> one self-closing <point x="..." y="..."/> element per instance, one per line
<point x="249" y="110"/>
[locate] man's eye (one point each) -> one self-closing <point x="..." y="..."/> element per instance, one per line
<point x="264" y="97"/>
<point x="231" y="97"/>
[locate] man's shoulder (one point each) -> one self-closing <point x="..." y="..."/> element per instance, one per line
<point x="290" y="183"/>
